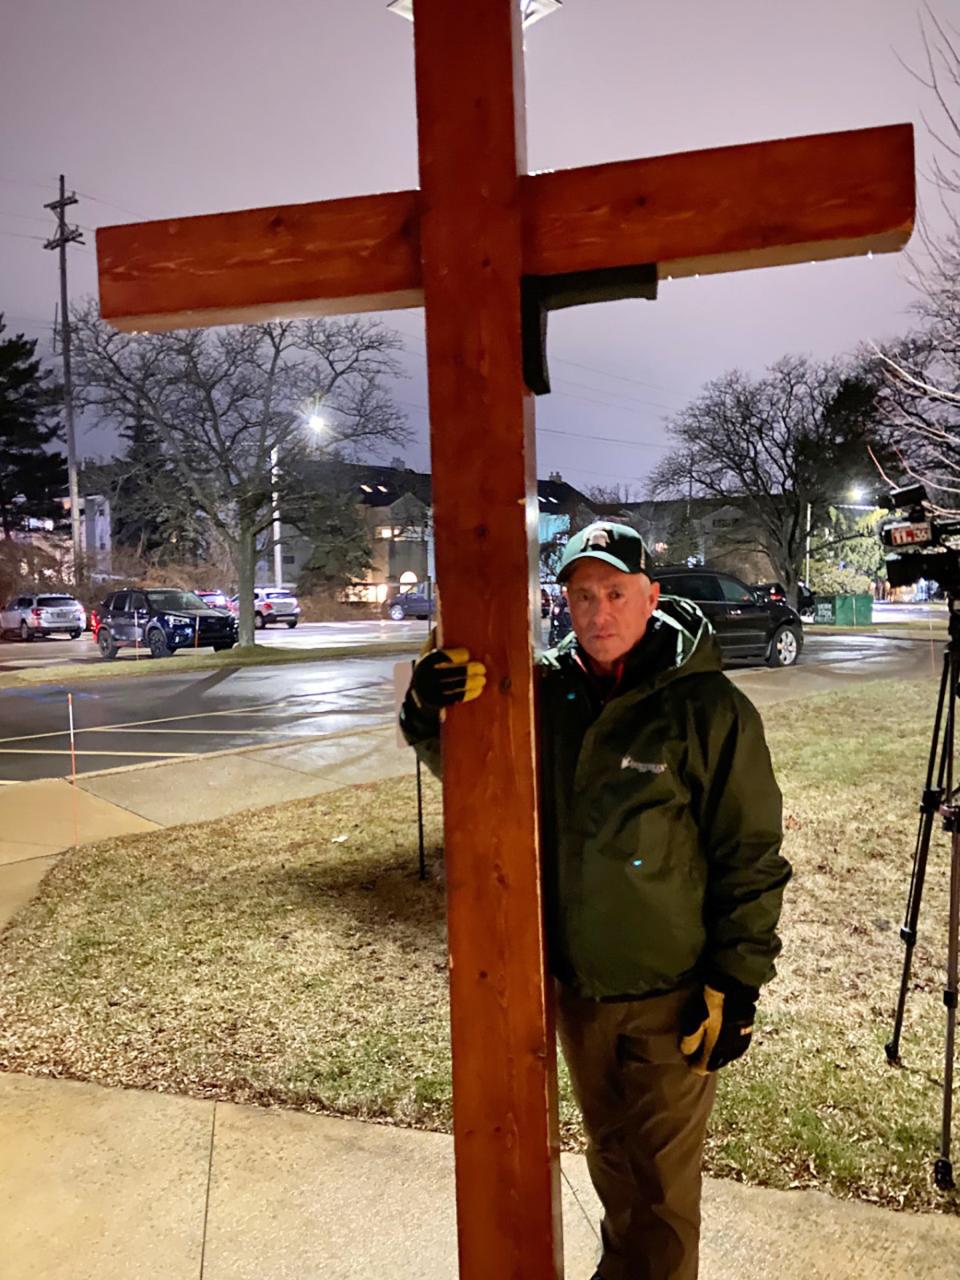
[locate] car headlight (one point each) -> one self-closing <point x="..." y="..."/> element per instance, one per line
<point x="176" y="620"/>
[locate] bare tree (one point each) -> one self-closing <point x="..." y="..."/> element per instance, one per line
<point x="776" y="447"/>
<point x="921" y="373"/>
<point x="920" y="400"/>
<point x="225" y="403"/>
<point x="613" y="494"/>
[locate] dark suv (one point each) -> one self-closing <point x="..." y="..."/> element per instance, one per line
<point x="751" y="625"/>
<point x="162" y="619"/>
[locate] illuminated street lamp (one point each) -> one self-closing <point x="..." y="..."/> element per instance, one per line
<point x="317" y="423"/>
<point x="531" y="10"/>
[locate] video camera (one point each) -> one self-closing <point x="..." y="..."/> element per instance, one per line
<point x="919" y="541"/>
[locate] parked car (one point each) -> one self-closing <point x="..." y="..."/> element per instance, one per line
<point x="34" y="616"/>
<point x="215" y="599"/>
<point x="162" y="619"/>
<point x="270" y="605"/>
<point x="419" y="602"/>
<point x="751" y="625"/>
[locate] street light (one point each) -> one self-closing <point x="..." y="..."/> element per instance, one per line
<point x="531" y="10"/>
<point x="317" y="423"/>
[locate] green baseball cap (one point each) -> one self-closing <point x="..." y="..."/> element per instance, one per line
<point x="615" y="544"/>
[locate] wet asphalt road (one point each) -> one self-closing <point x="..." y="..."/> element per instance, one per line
<point x="120" y="722"/>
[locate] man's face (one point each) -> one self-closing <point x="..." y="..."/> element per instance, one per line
<point x="609" y="609"/>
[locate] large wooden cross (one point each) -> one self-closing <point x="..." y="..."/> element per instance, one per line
<point x="461" y="245"/>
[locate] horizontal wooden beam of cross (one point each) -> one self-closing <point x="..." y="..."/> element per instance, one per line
<point x="725" y="209"/>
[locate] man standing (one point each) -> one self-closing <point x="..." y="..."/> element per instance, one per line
<point x="663" y="880"/>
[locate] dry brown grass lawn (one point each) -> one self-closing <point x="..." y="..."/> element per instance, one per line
<point x="292" y="957"/>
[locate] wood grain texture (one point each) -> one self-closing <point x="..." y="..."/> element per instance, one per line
<point x="726" y="209"/>
<point x="336" y="256"/>
<point x="470" y="106"/>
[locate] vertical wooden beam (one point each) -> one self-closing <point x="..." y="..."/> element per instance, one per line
<point x="469" y="66"/>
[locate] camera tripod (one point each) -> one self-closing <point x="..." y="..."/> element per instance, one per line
<point x="940" y="797"/>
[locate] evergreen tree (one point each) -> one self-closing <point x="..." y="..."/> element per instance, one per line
<point x="31" y="476"/>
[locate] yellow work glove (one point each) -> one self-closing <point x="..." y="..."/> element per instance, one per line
<point x="716" y="1027"/>
<point x="445" y="677"/>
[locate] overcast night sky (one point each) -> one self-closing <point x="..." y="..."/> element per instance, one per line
<point x="193" y="106"/>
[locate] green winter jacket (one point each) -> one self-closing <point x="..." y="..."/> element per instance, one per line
<point x="661" y="818"/>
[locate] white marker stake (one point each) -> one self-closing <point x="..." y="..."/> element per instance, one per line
<point x="73" y="742"/>
<point x="73" y="772"/>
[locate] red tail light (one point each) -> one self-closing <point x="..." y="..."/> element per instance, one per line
<point x="267" y="604"/>
<point x="36" y="613"/>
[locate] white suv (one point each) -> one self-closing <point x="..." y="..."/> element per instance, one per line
<point x="272" y="604"/>
<point x="30" y="617"/>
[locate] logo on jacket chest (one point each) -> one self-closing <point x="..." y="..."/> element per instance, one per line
<point x="642" y="766"/>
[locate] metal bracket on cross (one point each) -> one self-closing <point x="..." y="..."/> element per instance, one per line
<point x="542" y="294"/>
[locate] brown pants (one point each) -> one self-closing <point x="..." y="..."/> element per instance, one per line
<point x="645" y="1115"/>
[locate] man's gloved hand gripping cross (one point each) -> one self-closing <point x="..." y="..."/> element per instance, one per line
<point x="444" y="677"/>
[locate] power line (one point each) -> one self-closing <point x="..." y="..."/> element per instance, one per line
<point x="28" y="182"/>
<point x="619" y="395"/>
<point x="607" y="373"/>
<point x="573" y="435"/>
<point x="22" y="235"/>
<point x="49" y="186"/>
<point x="112" y="204"/>
<point x="579" y="435"/>
<point x="23" y="217"/>
<point x="607" y="404"/>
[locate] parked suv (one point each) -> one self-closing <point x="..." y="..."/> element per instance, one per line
<point x="42" y="615"/>
<point x="419" y="602"/>
<point x="162" y="619"/>
<point x="270" y="604"/>
<point x="751" y="625"/>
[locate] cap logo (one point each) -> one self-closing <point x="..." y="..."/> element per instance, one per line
<point x="599" y="538"/>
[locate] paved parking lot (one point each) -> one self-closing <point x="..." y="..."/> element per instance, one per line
<point x="125" y="723"/>
<point x="15" y="654"/>
<point x="120" y="722"/>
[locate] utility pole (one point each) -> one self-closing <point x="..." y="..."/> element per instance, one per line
<point x="65" y="235"/>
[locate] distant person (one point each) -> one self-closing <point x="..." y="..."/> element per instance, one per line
<point x="661" y="825"/>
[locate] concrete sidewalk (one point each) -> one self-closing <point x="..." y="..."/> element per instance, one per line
<point x="102" y="1184"/>
<point x="112" y="1184"/>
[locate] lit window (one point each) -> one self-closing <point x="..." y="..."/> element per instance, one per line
<point x="384" y="531"/>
